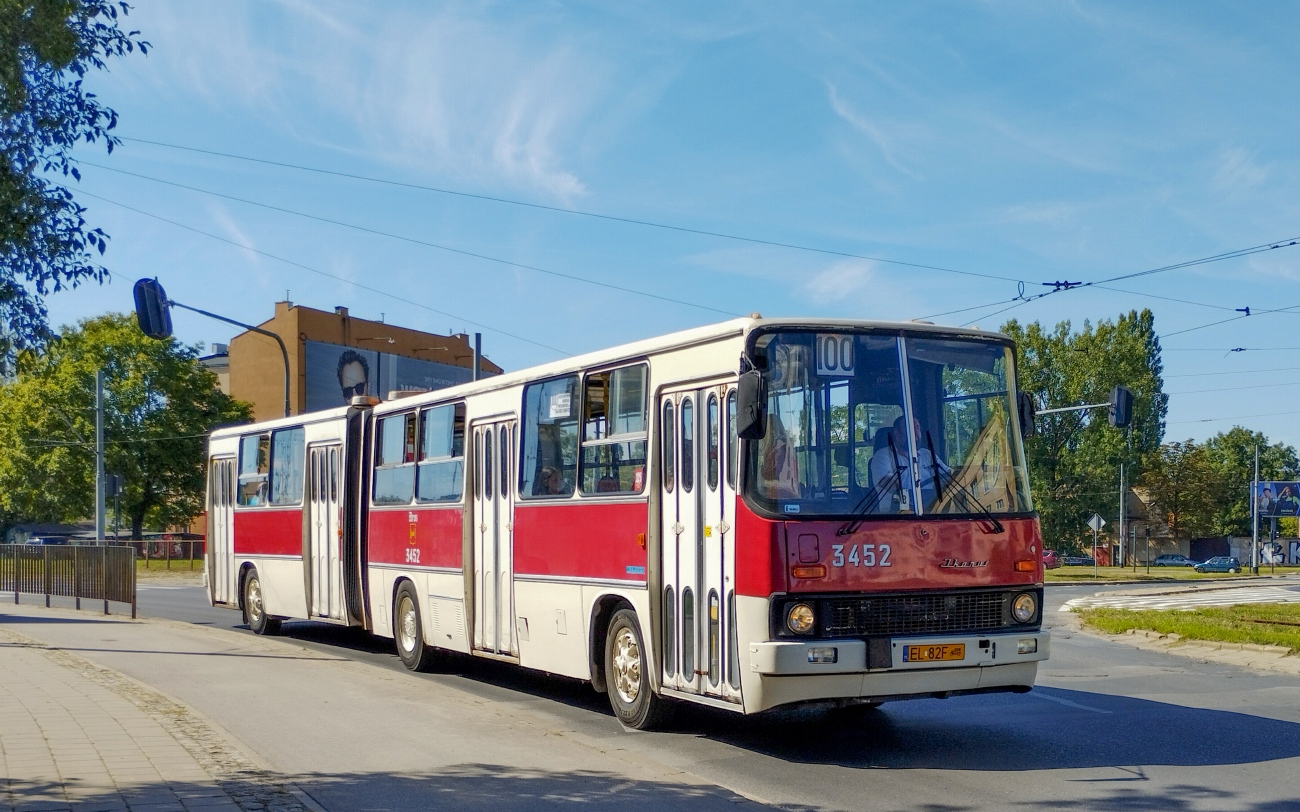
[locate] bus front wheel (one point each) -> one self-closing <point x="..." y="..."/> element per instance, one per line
<point x="627" y="678"/>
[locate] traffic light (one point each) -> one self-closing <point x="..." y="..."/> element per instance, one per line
<point x="1121" y="407"/>
<point x="151" y="309"/>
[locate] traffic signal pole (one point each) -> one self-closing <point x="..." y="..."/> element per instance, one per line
<point x="284" y="352"/>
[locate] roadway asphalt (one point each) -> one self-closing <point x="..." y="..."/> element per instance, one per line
<point x="1110" y="727"/>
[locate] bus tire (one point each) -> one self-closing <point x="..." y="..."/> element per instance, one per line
<point x="627" y="678"/>
<point x="408" y="632"/>
<point x="255" y="609"/>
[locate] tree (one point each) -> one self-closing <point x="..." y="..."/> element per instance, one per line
<point x="1074" y="460"/>
<point x="1232" y="453"/>
<point x="46" y="49"/>
<point x="1185" y="487"/>
<point x="160" y="402"/>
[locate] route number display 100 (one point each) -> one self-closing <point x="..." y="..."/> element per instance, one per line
<point x="834" y="353"/>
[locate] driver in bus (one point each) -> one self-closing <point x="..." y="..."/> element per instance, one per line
<point x="892" y="467"/>
<point x="778" y="475"/>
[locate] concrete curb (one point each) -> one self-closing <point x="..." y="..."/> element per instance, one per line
<point x="1277" y="659"/>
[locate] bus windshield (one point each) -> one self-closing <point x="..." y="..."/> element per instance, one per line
<point x="837" y="440"/>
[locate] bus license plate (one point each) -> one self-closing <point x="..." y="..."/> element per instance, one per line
<point x="931" y="654"/>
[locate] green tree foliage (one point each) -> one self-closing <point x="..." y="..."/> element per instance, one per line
<point x="159" y="403"/>
<point x="1185" y="487"/>
<point x="47" y="47"/>
<point x="1074" y="460"/>
<point x="1232" y="454"/>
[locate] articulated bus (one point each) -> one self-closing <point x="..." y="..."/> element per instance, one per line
<point x="735" y="515"/>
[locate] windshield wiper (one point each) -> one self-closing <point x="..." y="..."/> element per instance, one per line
<point x="994" y="526"/>
<point x="869" y="499"/>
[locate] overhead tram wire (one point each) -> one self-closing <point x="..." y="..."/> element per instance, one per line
<point x="1235" y="417"/>
<point x="576" y="212"/>
<point x="325" y="274"/>
<point x="1231" y="372"/>
<point x="1062" y="286"/>
<point x="414" y="241"/>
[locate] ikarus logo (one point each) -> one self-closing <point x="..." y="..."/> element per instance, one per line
<point x="954" y="564"/>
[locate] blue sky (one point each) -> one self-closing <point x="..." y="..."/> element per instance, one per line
<point x="1026" y="141"/>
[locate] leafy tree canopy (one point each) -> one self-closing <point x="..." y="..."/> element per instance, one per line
<point x="159" y="403"/>
<point x="1232" y="453"/>
<point x="1074" y="460"/>
<point x="47" y="47"/>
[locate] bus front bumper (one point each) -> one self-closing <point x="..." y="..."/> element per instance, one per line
<point x="807" y="670"/>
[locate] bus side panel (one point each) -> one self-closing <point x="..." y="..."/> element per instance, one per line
<point x="552" y="627"/>
<point x="416" y="536"/>
<point x="760" y="554"/>
<point x="271" y="539"/>
<point x="581" y="540"/>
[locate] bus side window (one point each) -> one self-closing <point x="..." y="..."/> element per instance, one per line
<point x="549" y="448"/>
<point x="614" y="438"/>
<point x="441" y="474"/>
<point x="395" y="460"/>
<point x="711" y="420"/>
<point x="670" y="442"/>
<point x="287" y="465"/>
<point x="254" y="469"/>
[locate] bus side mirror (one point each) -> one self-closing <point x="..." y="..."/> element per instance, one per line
<point x="1026" y="412"/>
<point x="751" y="403"/>
<point x="1121" y="407"/>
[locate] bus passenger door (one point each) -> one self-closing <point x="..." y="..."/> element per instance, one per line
<point x="221" y="533"/>
<point x="681" y="534"/>
<point x="716" y="544"/>
<point x="324" y="532"/>
<point x="494" y="631"/>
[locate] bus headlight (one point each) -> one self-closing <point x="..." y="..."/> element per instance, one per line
<point x="800" y="619"/>
<point x="1024" y="607"/>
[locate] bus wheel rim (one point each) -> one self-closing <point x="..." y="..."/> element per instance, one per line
<point x="406" y="624"/>
<point x="627" y="666"/>
<point x="254" y="601"/>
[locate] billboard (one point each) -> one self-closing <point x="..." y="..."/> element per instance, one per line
<point x="1277" y="499"/>
<point x="335" y="374"/>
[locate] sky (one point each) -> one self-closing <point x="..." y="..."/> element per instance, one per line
<point x="880" y="161"/>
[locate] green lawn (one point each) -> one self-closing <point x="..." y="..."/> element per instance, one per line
<point x="1264" y="624"/>
<point x="1069" y="574"/>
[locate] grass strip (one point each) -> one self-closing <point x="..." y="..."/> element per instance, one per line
<point x="1267" y="624"/>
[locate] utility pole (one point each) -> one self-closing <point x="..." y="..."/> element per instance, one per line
<point x="1254" y="519"/>
<point x="99" y="456"/>
<point x="1123" y="505"/>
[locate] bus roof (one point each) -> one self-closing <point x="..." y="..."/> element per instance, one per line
<point x="737" y="328"/>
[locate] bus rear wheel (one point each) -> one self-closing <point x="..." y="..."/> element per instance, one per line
<point x="409" y="632"/>
<point x="627" y="678"/>
<point x="255" y="609"/>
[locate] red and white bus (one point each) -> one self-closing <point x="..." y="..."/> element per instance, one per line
<point x="725" y="515"/>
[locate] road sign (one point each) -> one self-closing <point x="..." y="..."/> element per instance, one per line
<point x="1096" y="523"/>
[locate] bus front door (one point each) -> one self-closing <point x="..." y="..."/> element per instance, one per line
<point x="324" y="532"/>
<point x="494" y="444"/>
<point x="698" y="504"/>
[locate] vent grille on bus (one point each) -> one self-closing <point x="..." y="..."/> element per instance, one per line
<point x="914" y="614"/>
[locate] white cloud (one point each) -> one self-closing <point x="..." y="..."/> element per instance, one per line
<point x="1237" y="172"/>
<point x="883" y="141"/>
<point x="839" y="281"/>
<point x="451" y="91"/>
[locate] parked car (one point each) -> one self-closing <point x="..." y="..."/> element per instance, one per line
<point x="1173" y="560"/>
<point x="1220" y="563"/>
<point x="1050" y="560"/>
<point x="1078" y="561"/>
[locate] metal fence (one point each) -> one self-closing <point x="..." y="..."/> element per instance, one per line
<point x="170" y="553"/>
<point x="104" y="573"/>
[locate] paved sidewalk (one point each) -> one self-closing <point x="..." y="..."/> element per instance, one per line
<point x="156" y="714"/>
<point x="69" y="742"/>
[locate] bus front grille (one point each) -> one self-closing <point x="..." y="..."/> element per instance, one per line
<point x="914" y="614"/>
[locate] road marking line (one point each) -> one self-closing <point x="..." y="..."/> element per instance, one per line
<point x="1068" y="703"/>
